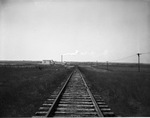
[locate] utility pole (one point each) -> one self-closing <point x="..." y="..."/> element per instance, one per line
<point x="138" y="54"/>
<point x="61" y="58"/>
<point x="107" y="65"/>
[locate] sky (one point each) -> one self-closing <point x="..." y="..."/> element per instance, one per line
<point x="80" y="30"/>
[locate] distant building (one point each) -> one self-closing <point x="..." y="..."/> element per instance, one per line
<point x="59" y="62"/>
<point x="50" y="62"/>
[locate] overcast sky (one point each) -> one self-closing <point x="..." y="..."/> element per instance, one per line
<point x="81" y="30"/>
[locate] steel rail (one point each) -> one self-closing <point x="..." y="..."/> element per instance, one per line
<point x="68" y="94"/>
<point x="50" y="111"/>
<point x="92" y="98"/>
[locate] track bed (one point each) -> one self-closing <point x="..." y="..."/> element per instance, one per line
<point x="74" y="99"/>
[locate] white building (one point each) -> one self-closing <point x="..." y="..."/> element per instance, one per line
<point x="48" y="62"/>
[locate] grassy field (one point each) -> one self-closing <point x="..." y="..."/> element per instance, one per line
<point x="23" y="90"/>
<point x="123" y="67"/>
<point x="126" y="92"/>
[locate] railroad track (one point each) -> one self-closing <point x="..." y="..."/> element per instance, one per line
<point x="74" y="99"/>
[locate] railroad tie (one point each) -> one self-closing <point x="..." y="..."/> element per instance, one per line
<point x="74" y="99"/>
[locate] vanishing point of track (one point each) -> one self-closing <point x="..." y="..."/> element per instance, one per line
<point x="74" y="99"/>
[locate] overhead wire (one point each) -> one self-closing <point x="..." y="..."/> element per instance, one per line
<point x="129" y="56"/>
<point x="145" y="53"/>
<point x="124" y="58"/>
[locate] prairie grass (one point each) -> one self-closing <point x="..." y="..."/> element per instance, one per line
<point x="124" y="67"/>
<point x="127" y="93"/>
<point x="23" y="90"/>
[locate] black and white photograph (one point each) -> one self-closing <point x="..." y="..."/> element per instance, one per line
<point x="74" y="58"/>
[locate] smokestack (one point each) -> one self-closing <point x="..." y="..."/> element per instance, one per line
<point x="61" y="58"/>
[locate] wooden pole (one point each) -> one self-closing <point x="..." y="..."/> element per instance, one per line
<point x="107" y="65"/>
<point x="61" y="58"/>
<point x="138" y="61"/>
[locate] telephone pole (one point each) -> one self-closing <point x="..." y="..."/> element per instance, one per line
<point x="61" y="58"/>
<point x="107" y="65"/>
<point x="138" y="54"/>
